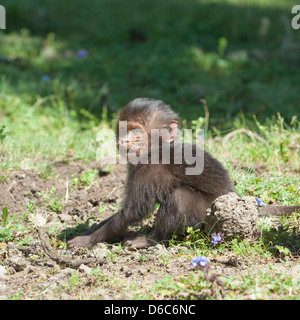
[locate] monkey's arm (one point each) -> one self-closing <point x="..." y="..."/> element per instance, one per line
<point x="138" y="203"/>
<point x="278" y="210"/>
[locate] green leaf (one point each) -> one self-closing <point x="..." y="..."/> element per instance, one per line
<point x="4" y="216"/>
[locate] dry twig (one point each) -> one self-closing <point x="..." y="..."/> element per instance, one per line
<point x="54" y="256"/>
<point x="251" y="134"/>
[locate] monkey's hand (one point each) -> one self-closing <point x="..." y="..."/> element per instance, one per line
<point x="92" y="236"/>
<point x="135" y="242"/>
<point x="80" y="241"/>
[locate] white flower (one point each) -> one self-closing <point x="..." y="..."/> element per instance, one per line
<point x="38" y="219"/>
<point x="265" y="223"/>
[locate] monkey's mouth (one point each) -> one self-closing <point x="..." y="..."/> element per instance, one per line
<point x="136" y="143"/>
<point x="132" y="146"/>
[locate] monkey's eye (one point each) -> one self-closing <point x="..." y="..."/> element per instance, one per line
<point x="136" y="131"/>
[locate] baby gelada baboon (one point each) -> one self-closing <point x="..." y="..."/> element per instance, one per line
<point x="181" y="177"/>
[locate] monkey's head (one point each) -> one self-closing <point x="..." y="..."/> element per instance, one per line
<point x="138" y="120"/>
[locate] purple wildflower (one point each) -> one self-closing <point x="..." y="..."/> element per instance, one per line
<point x="82" y="53"/>
<point x="216" y="238"/>
<point x="259" y="202"/>
<point x="282" y="228"/>
<point x="204" y="264"/>
<point x="199" y="261"/>
<point x="46" y="78"/>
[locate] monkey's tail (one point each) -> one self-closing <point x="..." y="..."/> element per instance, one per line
<point x="278" y="210"/>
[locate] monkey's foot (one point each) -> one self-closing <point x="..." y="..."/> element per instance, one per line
<point x="81" y="241"/>
<point x="134" y="242"/>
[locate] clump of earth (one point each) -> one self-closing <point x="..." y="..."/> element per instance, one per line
<point x="232" y="216"/>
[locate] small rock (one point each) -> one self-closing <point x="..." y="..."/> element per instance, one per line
<point x="3" y="287"/>
<point x="128" y="274"/>
<point x="17" y="263"/>
<point x="65" y="296"/>
<point x="13" y="252"/>
<point x="100" y="251"/>
<point x="3" y="255"/>
<point x="64" y="217"/>
<point x="142" y="272"/>
<point x="101" y="261"/>
<point x="52" y="224"/>
<point x="84" y="269"/>
<point x="3" y="272"/>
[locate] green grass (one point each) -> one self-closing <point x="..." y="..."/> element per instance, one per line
<point x="10" y="226"/>
<point x="239" y="55"/>
<point x="193" y="50"/>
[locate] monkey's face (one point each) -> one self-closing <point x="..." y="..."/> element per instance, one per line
<point x="140" y="139"/>
<point x="134" y="139"/>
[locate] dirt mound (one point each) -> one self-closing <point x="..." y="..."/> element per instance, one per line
<point x="232" y="216"/>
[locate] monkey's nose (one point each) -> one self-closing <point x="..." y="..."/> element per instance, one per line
<point x="123" y="141"/>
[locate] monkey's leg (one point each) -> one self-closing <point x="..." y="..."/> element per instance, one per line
<point x="92" y="230"/>
<point x="167" y="220"/>
<point x="183" y="208"/>
<point x="85" y="238"/>
<point x="105" y="230"/>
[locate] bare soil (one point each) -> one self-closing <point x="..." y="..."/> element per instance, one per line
<point x="108" y="271"/>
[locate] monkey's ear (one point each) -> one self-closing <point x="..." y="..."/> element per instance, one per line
<point x="173" y="130"/>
